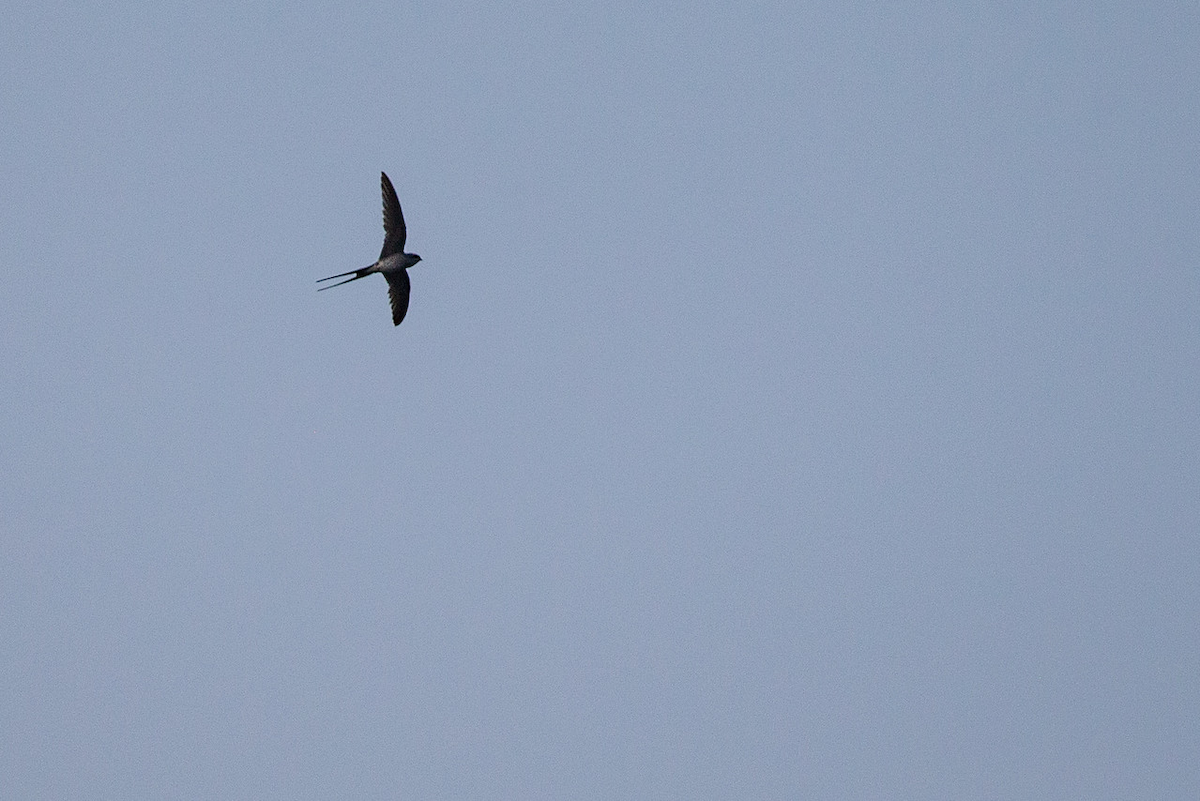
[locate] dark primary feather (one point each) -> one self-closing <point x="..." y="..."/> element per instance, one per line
<point x="398" y="286"/>
<point x="393" y="220"/>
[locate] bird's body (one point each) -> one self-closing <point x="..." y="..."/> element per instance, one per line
<point x="393" y="262"/>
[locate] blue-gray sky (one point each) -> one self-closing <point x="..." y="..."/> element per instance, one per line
<point x="796" y="400"/>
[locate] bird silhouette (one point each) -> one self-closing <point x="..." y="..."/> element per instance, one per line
<point x="393" y="261"/>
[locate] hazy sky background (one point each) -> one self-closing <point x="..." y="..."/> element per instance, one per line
<point x="796" y="400"/>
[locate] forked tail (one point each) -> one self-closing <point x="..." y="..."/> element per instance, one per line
<point x="363" y="273"/>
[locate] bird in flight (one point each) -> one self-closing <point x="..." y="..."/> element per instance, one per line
<point x="393" y="261"/>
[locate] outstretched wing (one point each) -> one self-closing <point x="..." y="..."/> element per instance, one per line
<point x="393" y="220"/>
<point x="398" y="287"/>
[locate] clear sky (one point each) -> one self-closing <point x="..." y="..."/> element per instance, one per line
<point x="797" y="400"/>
